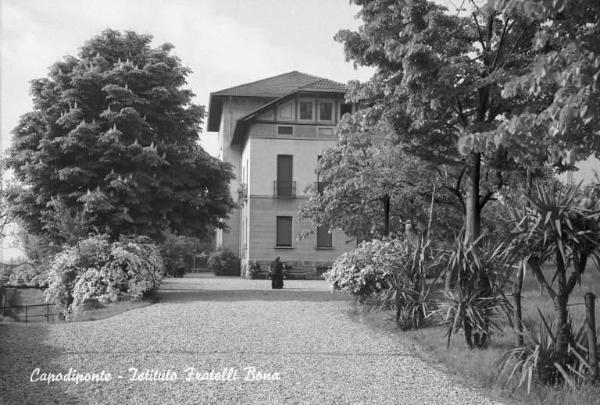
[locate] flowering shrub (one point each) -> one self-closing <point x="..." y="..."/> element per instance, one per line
<point x="222" y="262"/>
<point x="96" y="268"/>
<point x="369" y="268"/>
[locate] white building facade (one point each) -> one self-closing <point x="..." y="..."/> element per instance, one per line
<point x="272" y="132"/>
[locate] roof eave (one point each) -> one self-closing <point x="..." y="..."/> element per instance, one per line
<point x="241" y="124"/>
<point x="215" y="108"/>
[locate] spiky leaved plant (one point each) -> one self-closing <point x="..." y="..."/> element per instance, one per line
<point x="482" y="269"/>
<point x="536" y="358"/>
<point x="560" y="225"/>
<point x="409" y="285"/>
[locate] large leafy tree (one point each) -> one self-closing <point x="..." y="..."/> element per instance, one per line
<point x="369" y="187"/>
<point x="112" y="142"/>
<point x="479" y="90"/>
<point x="566" y="65"/>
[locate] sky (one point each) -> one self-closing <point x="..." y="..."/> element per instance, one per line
<point x="224" y="42"/>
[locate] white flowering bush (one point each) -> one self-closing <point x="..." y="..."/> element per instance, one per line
<point x="108" y="272"/>
<point x="370" y="268"/>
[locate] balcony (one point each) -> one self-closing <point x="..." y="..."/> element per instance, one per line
<point x="284" y="189"/>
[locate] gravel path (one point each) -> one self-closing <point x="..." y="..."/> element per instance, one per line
<point x="303" y="333"/>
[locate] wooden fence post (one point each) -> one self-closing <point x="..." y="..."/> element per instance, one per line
<point x="590" y="314"/>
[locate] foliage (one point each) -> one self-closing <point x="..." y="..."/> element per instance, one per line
<point x="411" y="292"/>
<point x="537" y="358"/>
<point x="566" y="42"/>
<point x="369" y="268"/>
<point x="178" y="252"/>
<point x="505" y="85"/>
<point x="560" y="225"/>
<point x="253" y="269"/>
<point x="482" y="270"/>
<point x="368" y="187"/>
<point x="96" y="268"/>
<point x="223" y="262"/>
<point x="112" y="146"/>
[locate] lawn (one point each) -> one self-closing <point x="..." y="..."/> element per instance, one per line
<point x="478" y="367"/>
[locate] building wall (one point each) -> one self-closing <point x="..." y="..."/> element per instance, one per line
<point x="233" y="109"/>
<point x="263" y="162"/>
<point x="263" y="207"/>
<point x="252" y="227"/>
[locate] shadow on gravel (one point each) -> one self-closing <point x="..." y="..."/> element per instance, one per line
<point x="22" y="350"/>
<point x="186" y="295"/>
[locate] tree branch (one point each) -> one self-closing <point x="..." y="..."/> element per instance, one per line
<point x="460" y="112"/>
<point x="480" y="34"/>
<point x="507" y="27"/>
<point x="456" y="190"/>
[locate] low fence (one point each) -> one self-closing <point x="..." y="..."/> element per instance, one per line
<point x="33" y="313"/>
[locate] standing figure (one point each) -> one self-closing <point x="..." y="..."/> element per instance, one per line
<point x="276" y="274"/>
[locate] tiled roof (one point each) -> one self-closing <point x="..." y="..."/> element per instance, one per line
<point x="270" y="89"/>
<point x="324" y="84"/>
<point x="281" y="85"/>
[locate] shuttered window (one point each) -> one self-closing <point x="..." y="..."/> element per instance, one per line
<point x="284" y="231"/>
<point x="324" y="237"/>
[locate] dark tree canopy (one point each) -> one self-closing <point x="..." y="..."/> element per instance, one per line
<point x="113" y="141"/>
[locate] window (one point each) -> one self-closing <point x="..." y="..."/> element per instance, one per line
<point x="284" y="232"/>
<point x="285" y="130"/>
<point x="324" y="239"/>
<point x="284" y="185"/>
<point x="306" y="110"/>
<point x="326" y="111"/>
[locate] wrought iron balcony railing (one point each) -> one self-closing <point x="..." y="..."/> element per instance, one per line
<point x="284" y="189"/>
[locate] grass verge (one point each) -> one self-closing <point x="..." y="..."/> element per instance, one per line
<point x="477" y="367"/>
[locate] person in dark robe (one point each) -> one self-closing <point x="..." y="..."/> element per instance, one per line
<point x="276" y="274"/>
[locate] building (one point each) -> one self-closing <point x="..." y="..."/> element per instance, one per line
<point x="272" y="132"/>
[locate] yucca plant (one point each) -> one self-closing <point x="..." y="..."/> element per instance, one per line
<point x="560" y="225"/>
<point x="409" y="290"/>
<point x="537" y="358"/>
<point x="482" y="269"/>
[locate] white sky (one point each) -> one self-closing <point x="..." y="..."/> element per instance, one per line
<point x="225" y="42"/>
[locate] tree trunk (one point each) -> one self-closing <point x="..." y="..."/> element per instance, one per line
<point x="517" y="289"/>
<point x="473" y="210"/>
<point x="386" y="215"/>
<point x="561" y="311"/>
<point x="518" y="285"/>
<point x="473" y="215"/>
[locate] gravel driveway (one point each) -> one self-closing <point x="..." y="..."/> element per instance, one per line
<point x="301" y="339"/>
